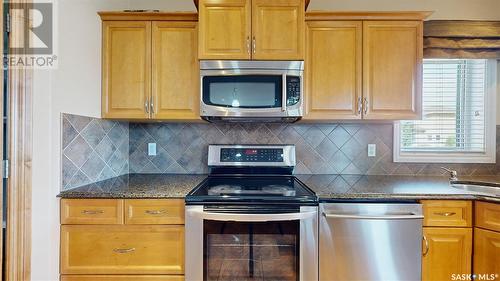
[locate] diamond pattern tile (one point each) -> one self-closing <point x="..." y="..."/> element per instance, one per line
<point x="92" y="150"/>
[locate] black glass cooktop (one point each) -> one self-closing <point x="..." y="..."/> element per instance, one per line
<point x="251" y="189"/>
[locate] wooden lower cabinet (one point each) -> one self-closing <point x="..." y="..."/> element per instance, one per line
<point x="122" y="249"/>
<point x="486" y="252"/>
<point x="446" y="251"/>
<point x="122" y="278"/>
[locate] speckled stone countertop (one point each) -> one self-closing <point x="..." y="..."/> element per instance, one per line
<point x="352" y="187"/>
<point x="138" y="186"/>
<point x="326" y="187"/>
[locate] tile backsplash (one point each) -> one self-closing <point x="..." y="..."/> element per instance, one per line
<point x="182" y="148"/>
<point x="320" y="148"/>
<point x="92" y="150"/>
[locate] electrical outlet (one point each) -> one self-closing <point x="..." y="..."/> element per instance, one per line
<point x="372" y="150"/>
<point x="152" y="149"/>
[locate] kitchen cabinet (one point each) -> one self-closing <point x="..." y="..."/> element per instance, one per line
<point x="447" y="251"/>
<point x="363" y="66"/>
<point x="447" y="241"/>
<point x="251" y="29"/>
<point x="146" y="63"/>
<point x="487" y="239"/>
<point x="126" y="69"/>
<point x="333" y="72"/>
<point x="145" y="238"/>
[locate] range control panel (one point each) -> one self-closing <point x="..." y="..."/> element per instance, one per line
<point x="251" y="155"/>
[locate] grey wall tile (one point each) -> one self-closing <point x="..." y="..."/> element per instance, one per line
<point x="92" y="150"/>
<point x="321" y="148"/>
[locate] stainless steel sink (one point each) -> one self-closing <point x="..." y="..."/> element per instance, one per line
<point x="477" y="188"/>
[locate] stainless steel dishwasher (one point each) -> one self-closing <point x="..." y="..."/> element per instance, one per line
<point x="370" y="241"/>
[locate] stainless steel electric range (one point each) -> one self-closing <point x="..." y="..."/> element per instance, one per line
<point x="251" y="219"/>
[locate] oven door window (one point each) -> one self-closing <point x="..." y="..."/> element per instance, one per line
<point x="251" y="250"/>
<point x="243" y="91"/>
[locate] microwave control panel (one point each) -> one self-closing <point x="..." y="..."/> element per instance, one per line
<point x="251" y="155"/>
<point x="292" y="90"/>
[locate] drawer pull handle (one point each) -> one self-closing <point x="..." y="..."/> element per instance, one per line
<point x="155" y="212"/>
<point x="123" y="251"/>
<point x="92" y="212"/>
<point x="445" y="214"/>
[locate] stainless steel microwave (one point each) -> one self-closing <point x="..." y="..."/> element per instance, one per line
<point x="251" y="91"/>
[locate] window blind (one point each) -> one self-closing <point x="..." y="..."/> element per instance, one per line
<point x="453" y="109"/>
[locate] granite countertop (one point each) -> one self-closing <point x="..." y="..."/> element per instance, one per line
<point x="138" y="186"/>
<point x="326" y="187"/>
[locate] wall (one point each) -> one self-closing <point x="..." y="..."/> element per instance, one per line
<point x="75" y="88"/>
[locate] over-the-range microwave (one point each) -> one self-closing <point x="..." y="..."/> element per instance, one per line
<point x="251" y="91"/>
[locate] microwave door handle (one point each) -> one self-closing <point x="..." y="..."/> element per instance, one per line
<point x="284" y="92"/>
<point x="254" y="217"/>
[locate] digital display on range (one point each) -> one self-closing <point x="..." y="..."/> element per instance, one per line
<point x="251" y="155"/>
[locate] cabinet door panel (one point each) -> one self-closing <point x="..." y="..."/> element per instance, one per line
<point x="486" y="252"/>
<point x="488" y="215"/>
<point x="126" y="67"/>
<point x="122" y="249"/>
<point x="175" y="71"/>
<point x="333" y="70"/>
<point x="449" y="252"/>
<point x="278" y="27"/>
<point x="122" y="278"/>
<point x="392" y="69"/>
<point x="225" y="28"/>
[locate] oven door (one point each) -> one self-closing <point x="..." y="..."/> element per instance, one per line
<point x="251" y="93"/>
<point x="251" y="245"/>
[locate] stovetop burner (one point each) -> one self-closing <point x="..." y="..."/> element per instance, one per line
<point x="251" y="174"/>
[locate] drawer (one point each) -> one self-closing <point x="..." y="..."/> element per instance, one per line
<point x="488" y="216"/>
<point x="122" y="278"/>
<point x="122" y="249"/>
<point x="154" y="211"/>
<point x="91" y="211"/>
<point x="447" y="213"/>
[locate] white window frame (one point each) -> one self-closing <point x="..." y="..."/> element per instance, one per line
<point x="489" y="156"/>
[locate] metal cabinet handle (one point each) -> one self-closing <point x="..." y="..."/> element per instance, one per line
<point x="426" y="250"/>
<point x="365" y="106"/>
<point x="152" y="105"/>
<point x="123" y="250"/>
<point x="92" y="212"/>
<point x="155" y="212"/>
<point x="360" y="105"/>
<point x="254" y="47"/>
<point x="248" y="44"/>
<point x="445" y="214"/>
<point x="146" y="105"/>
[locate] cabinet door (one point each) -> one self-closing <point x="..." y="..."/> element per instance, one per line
<point x="122" y="249"/>
<point x="278" y="29"/>
<point x="333" y="70"/>
<point x="392" y="69"/>
<point x="225" y="28"/>
<point x="175" y="71"/>
<point x="486" y="252"/>
<point x="126" y="67"/>
<point x="122" y="278"/>
<point x="447" y="251"/>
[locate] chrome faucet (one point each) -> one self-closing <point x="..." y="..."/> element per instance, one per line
<point x="453" y="173"/>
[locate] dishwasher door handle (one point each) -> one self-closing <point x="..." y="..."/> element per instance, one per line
<point x="373" y="217"/>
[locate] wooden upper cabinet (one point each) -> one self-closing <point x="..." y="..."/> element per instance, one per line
<point x="278" y="29"/>
<point x="126" y="69"/>
<point x="447" y="251"/>
<point x="225" y="29"/>
<point x="175" y="75"/>
<point x="333" y="73"/>
<point x="392" y="69"/>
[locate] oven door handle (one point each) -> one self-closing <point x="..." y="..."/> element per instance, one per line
<point x="238" y="217"/>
